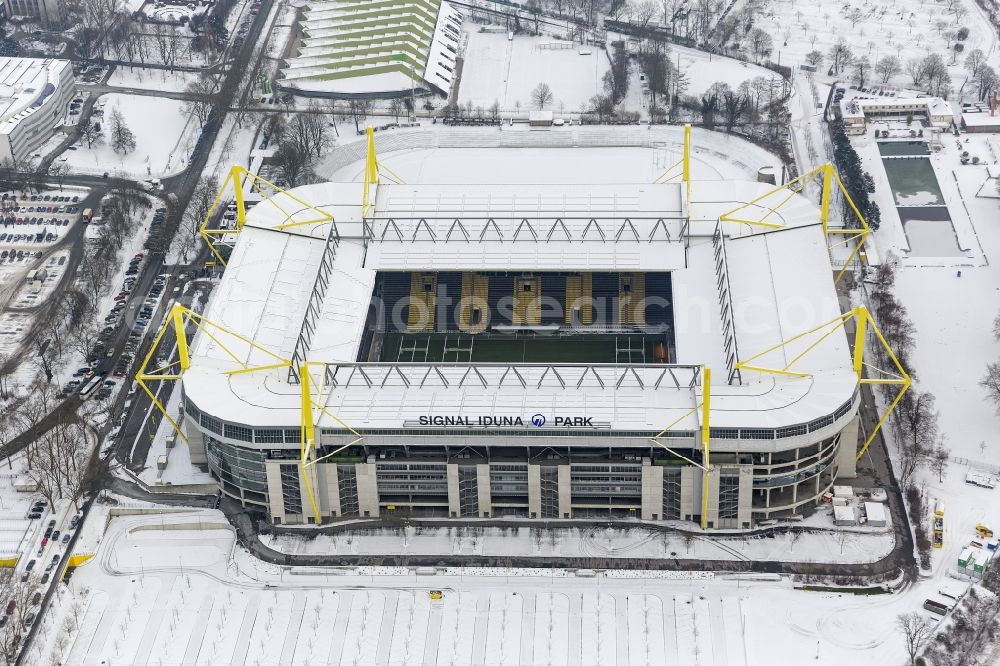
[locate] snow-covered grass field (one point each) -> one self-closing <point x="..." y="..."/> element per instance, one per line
<point x="151" y="79"/>
<point x="506" y="71"/>
<point x="703" y="69"/>
<point x="164" y="137"/>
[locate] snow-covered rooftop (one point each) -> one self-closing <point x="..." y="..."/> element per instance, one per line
<point x="25" y="83"/>
<point x="857" y="107"/>
<point x="352" y="47"/>
<point x="779" y="284"/>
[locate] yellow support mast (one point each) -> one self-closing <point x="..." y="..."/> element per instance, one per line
<point x="177" y="320"/>
<point x="312" y="409"/>
<point x="374" y="170"/>
<point x="706" y="431"/>
<point x="829" y="178"/>
<point x="704" y="438"/>
<point x="237" y="177"/>
<point x="684" y="163"/>
<point x="896" y="375"/>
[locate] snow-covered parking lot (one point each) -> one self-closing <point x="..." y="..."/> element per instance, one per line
<point x="173" y="587"/>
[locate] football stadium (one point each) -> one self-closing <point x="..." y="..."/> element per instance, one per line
<point x="661" y="351"/>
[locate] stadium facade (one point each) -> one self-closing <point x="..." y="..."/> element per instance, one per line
<point x="533" y="351"/>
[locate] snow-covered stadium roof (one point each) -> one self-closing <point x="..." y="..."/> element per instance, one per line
<point x="375" y="47"/>
<point x="777" y="283"/>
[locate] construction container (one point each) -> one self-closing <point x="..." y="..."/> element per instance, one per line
<point x="875" y="513"/>
<point x="965" y="557"/>
<point x="844" y="516"/>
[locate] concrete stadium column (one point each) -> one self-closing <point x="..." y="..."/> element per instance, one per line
<point x="652" y="491"/>
<point x="713" y="496"/>
<point x="534" y="491"/>
<point x="746" y="495"/>
<point x="308" y="513"/>
<point x="847" y="465"/>
<point x="330" y="483"/>
<point x="454" y="505"/>
<point x="483" y="490"/>
<point x="367" y="490"/>
<point x="275" y="501"/>
<point x="196" y="444"/>
<point x="565" y="492"/>
<point x="690" y="492"/>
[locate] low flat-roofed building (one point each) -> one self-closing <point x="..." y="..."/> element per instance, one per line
<point x="980" y="118"/>
<point x="858" y="111"/>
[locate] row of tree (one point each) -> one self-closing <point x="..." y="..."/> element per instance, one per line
<point x="856" y="180"/>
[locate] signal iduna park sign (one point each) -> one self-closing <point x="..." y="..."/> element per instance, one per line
<point x="492" y="421"/>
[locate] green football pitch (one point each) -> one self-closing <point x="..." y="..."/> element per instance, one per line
<point x="518" y="348"/>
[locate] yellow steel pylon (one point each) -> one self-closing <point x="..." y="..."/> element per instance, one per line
<point x="863" y="321"/>
<point x="236" y="178"/>
<point x="684" y="163"/>
<point x="704" y="439"/>
<point x="374" y="170"/>
<point x="829" y="178"/>
<point x="177" y="319"/>
<point x="311" y="410"/>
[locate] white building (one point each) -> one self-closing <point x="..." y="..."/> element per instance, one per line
<point x="34" y="95"/>
<point x="857" y="111"/>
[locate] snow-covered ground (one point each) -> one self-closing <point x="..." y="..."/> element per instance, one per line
<point x="703" y="69"/>
<point x="164" y="137"/>
<point x="906" y="29"/>
<point x="506" y="71"/>
<point x="151" y="79"/>
<point x="156" y="588"/>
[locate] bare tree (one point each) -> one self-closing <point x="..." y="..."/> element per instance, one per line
<point x="761" y="43"/>
<point x="915" y="631"/>
<point x="196" y="213"/>
<point x="202" y="91"/>
<point x="840" y="55"/>
<point x="939" y="460"/>
<point x="918" y="428"/>
<point x="358" y="110"/>
<point x="814" y="58"/>
<point x="974" y="61"/>
<point x="991" y="382"/>
<point x="89" y="133"/>
<point x="396" y="107"/>
<point x="733" y="106"/>
<point x="293" y="163"/>
<point x="20" y="592"/>
<point x="887" y="67"/>
<point x="541" y="96"/>
<point x="861" y="67"/>
<point x="59" y="462"/>
<point x="122" y="138"/>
